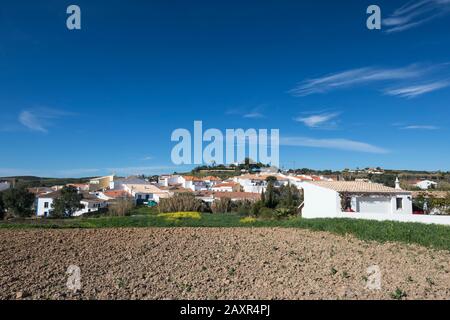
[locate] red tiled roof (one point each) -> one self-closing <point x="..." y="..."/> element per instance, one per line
<point x="211" y="178"/>
<point x="226" y="184"/>
<point x="116" y="194"/>
<point x="191" y="178"/>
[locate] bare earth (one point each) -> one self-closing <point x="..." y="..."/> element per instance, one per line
<point x="214" y="263"/>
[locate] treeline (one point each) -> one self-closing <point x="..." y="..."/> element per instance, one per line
<point x="35" y="182"/>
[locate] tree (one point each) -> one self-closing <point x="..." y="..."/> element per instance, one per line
<point x="18" y="202"/>
<point x="2" y="207"/>
<point x="270" y="196"/>
<point x="67" y="203"/>
<point x="263" y="197"/>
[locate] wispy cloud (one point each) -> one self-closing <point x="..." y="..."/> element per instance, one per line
<point x="40" y="119"/>
<point x="31" y="121"/>
<point x="417" y="90"/>
<point x="415" y="13"/>
<point x="147" y="158"/>
<point x="253" y="113"/>
<point x="355" y="77"/>
<point x="420" y="127"/>
<point x="340" y="144"/>
<point x="322" y="120"/>
<point x="407" y="82"/>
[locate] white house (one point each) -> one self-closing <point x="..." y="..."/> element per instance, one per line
<point x="4" y="185"/>
<point x="117" y="183"/>
<point x="227" y="187"/>
<point x="169" y="179"/>
<point x="91" y="205"/>
<point x="252" y="183"/>
<point x="145" y="192"/>
<point x="44" y="204"/>
<point x="324" y="199"/>
<point x="425" y="184"/>
<point x="193" y="183"/>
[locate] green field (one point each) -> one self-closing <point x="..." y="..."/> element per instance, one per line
<point x="435" y="236"/>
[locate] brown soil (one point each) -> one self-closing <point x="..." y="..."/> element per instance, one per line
<point x="208" y="263"/>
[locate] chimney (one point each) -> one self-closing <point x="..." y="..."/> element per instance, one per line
<point x="397" y="184"/>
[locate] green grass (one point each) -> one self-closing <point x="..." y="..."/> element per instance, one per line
<point x="434" y="236"/>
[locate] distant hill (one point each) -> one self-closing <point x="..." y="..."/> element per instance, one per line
<point x="33" y="181"/>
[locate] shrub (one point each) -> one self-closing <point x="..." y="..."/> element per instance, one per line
<point x="267" y="213"/>
<point x="256" y="208"/>
<point x="176" y="216"/>
<point x="280" y="213"/>
<point x="121" y="207"/>
<point x="223" y="205"/>
<point x="182" y="202"/>
<point x="243" y="207"/>
<point x="247" y="220"/>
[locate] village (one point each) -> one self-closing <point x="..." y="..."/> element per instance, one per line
<point x="319" y="196"/>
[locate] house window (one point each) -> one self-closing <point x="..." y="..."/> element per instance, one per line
<point x="139" y="197"/>
<point x="348" y="204"/>
<point x="399" y="203"/>
<point x="45" y="205"/>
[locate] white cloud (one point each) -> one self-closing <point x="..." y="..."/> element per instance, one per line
<point x="414" y="14"/>
<point x="340" y="144"/>
<point x="39" y="119"/>
<point x="318" y="120"/>
<point x="356" y="77"/>
<point x="32" y="121"/>
<point x="253" y="115"/>
<point x="417" y="90"/>
<point x="248" y="113"/>
<point x="420" y="127"/>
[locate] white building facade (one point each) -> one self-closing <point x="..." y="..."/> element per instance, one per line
<point x="326" y="199"/>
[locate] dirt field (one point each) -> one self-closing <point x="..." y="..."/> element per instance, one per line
<point x="202" y="263"/>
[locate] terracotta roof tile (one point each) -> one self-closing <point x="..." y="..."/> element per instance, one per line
<point x="356" y="186"/>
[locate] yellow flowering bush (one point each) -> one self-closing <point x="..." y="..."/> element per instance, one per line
<point x="176" y="216"/>
<point x="247" y="220"/>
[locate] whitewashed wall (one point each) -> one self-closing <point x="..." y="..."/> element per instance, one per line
<point x="400" y="217"/>
<point x="320" y="202"/>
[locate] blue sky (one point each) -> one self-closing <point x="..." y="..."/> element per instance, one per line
<point x="107" y="98"/>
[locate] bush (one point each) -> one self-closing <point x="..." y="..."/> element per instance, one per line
<point x="223" y="205"/>
<point x="281" y="213"/>
<point x="256" y="208"/>
<point x="182" y="202"/>
<point x="441" y="205"/>
<point x="247" y="220"/>
<point x="267" y="213"/>
<point x="243" y="207"/>
<point x="177" y="216"/>
<point x="121" y="207"/>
